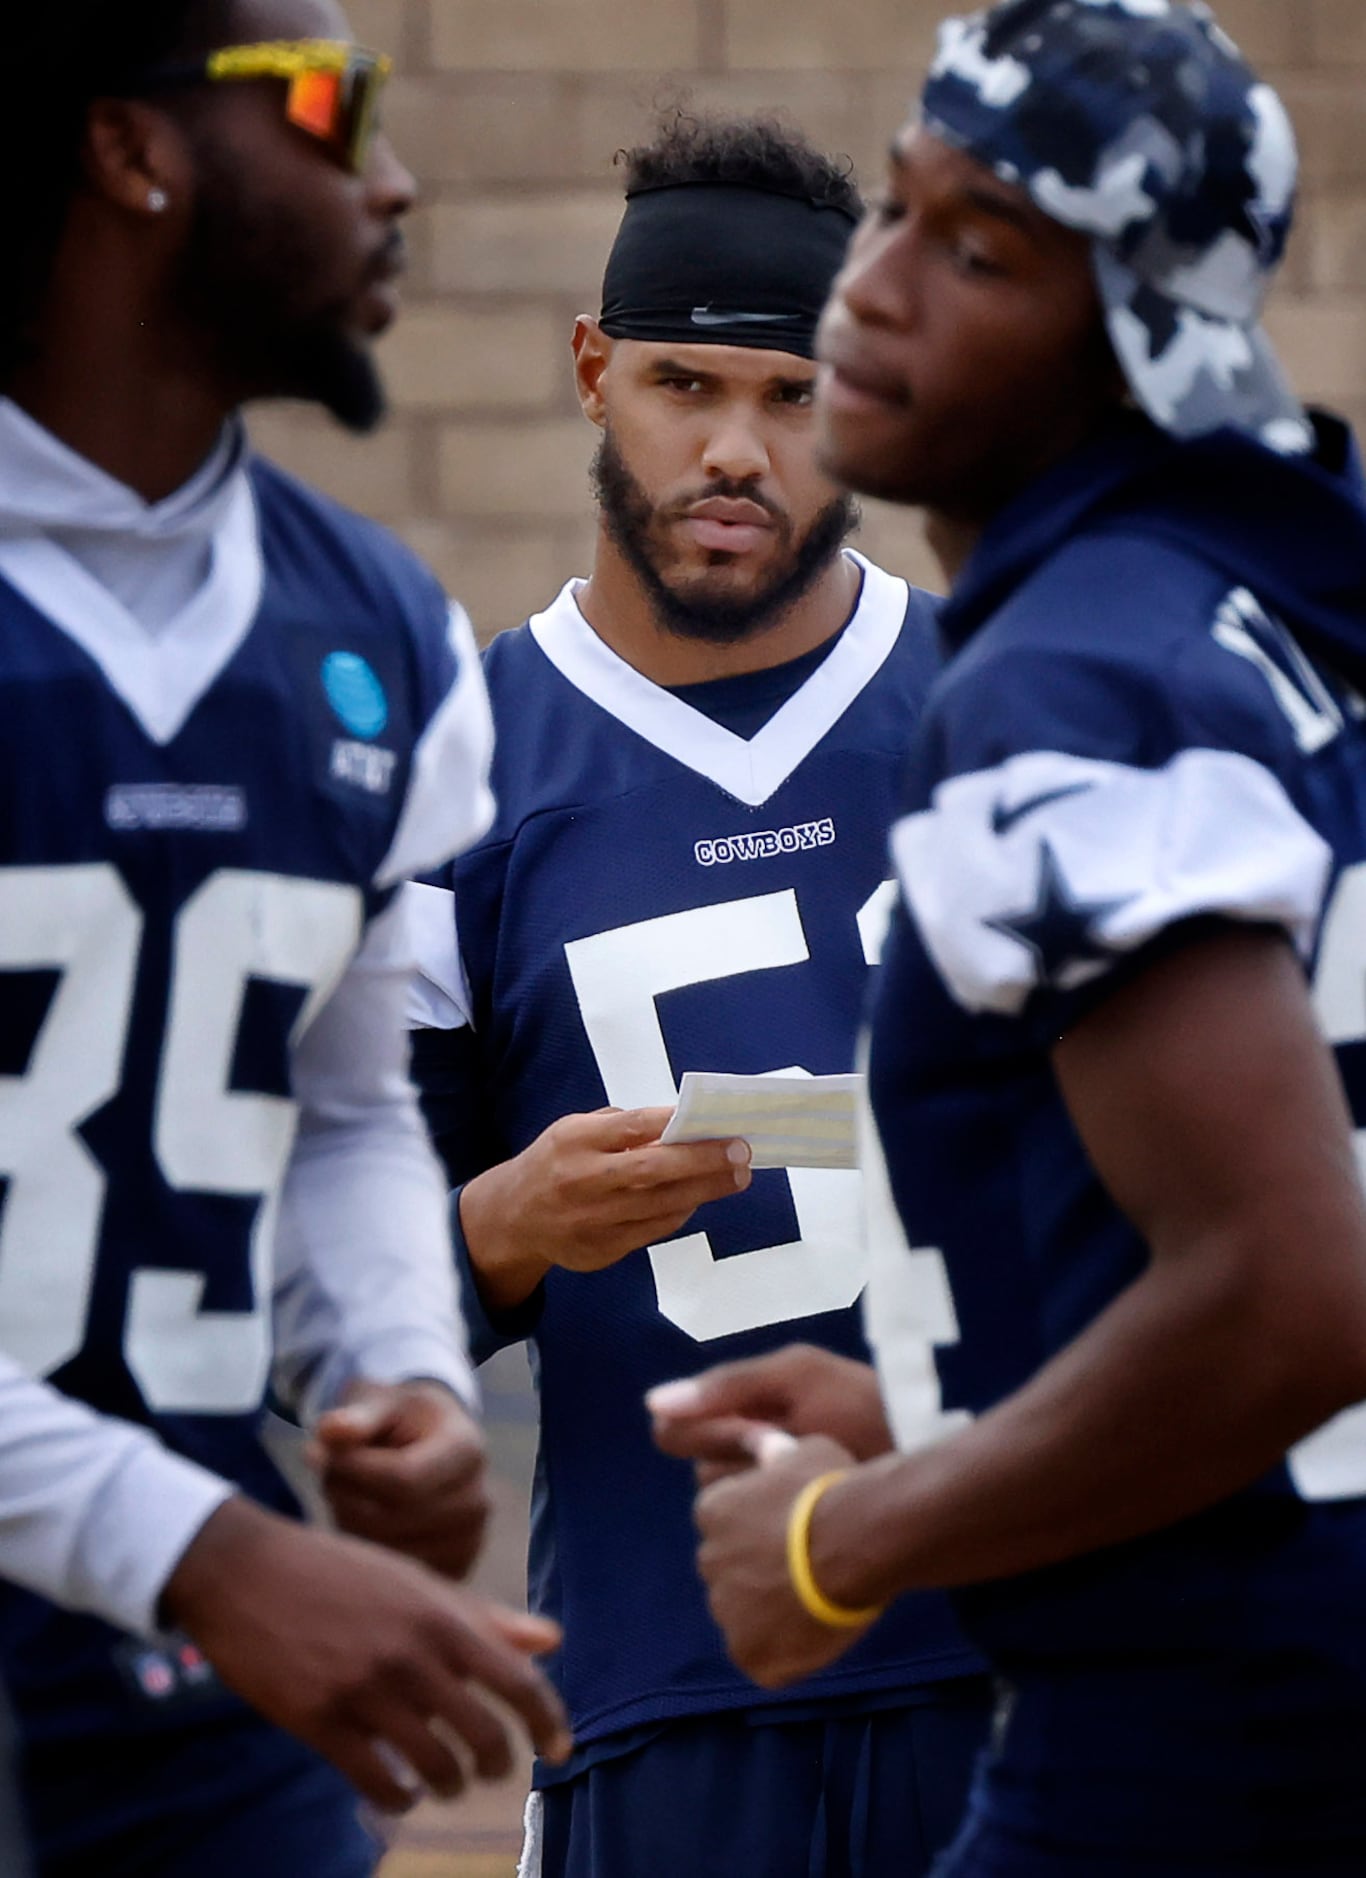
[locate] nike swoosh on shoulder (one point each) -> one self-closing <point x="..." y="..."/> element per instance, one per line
<point x="1004" y="819"/>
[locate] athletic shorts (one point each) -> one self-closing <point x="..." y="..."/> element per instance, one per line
<point x="235" y="1799"/>
<point x="1176" y="1768"/>
<point x="871" y="1795"/>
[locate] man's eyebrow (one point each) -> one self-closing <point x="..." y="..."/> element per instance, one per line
<point x="674" y="368"/>
<point x="986" y="200"/>
<point x="1021" y="215"/>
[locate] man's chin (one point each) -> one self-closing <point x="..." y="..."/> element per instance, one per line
<point x="720" y="612"/>
<point x="724" y="590"/>
<point x="879" y="481"/>
<point x="867" y="466"/>
<point x="688" y="569"/>
<point x="347" y="383"/>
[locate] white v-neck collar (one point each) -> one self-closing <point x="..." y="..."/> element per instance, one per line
<point x="159" y="676"/>
<point x="749" y="768"/>
<point x="46" y="485"/>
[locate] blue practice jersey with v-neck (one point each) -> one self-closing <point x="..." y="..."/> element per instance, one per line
<point x="659" y="894"/>
<point x="1151" y="720"/>
<point x="202" y="830"/>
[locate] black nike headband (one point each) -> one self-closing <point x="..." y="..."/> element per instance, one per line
<point x="723" y="264"/>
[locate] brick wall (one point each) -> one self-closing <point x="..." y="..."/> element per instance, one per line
<point x="509" y="111"/>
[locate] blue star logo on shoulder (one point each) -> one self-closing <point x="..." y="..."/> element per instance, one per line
<point x="1059" y="929"/>
<point x="355" y="694"/>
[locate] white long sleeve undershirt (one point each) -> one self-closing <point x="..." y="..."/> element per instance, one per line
<point x="94" y="1512"/>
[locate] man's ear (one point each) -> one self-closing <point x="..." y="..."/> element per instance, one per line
<point x="592" y="355"/>
<point x="136" y="157"/>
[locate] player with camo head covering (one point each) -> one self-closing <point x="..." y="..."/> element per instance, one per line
<point x="1116" y="1229"/>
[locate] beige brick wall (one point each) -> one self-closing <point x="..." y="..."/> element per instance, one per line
<point x="509" y="111"/>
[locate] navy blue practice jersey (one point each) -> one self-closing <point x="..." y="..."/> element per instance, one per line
<point x="1128" y="739"/>
<point x="198" y="831"/>
<point x="658" y="895"/>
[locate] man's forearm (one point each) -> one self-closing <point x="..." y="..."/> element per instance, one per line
<point x="1214" y="1117"/>
<point x="1178" y="1395"/>
<point x="506" y="1268"/>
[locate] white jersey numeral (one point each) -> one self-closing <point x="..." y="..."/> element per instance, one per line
<point x="78" y="921"/>
<point x="908" y="1309"/>
<point x="1243" y="626"/>
<point x="617" y="977"/>
<point x="210" y="1139"/>
<point x="207" y="1138"/>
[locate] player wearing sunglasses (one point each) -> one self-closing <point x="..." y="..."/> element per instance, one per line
<point x="235" y="717"/>
<point x="279" y="204"/>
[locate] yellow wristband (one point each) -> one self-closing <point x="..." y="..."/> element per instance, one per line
<point x="813" y="1600"/>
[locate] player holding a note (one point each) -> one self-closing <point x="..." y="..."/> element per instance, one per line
<point x="697" y="755"/>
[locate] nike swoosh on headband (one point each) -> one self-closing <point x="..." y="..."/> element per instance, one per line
<point x="721" y="316"/>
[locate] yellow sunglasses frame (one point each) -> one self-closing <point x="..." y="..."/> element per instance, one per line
<point x="292" y="58"/>
<point x="297" y="62"/>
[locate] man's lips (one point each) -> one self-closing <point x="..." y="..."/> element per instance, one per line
<point x="736" y="509"/>
<point x="391" y="262"/>
<point x="849" y="377"/>
<point x="381" y="294"/>
<point x="728" y="524"/>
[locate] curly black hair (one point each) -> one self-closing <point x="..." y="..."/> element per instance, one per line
<point x="759" y="152"/>
<point x="63" y="58"/>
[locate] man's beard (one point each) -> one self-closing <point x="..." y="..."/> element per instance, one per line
<point x="245" y="281"/>
<point x="720" y="619"/>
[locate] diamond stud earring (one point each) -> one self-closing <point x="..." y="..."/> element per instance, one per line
<point x="158" y="201"/>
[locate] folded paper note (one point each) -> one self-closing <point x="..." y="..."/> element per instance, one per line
<point x="788" y="1121"/>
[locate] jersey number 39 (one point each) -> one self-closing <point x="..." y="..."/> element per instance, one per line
<point x="81" y="922"/>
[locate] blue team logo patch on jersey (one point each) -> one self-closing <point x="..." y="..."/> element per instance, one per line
<point x="355" y="694"/>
